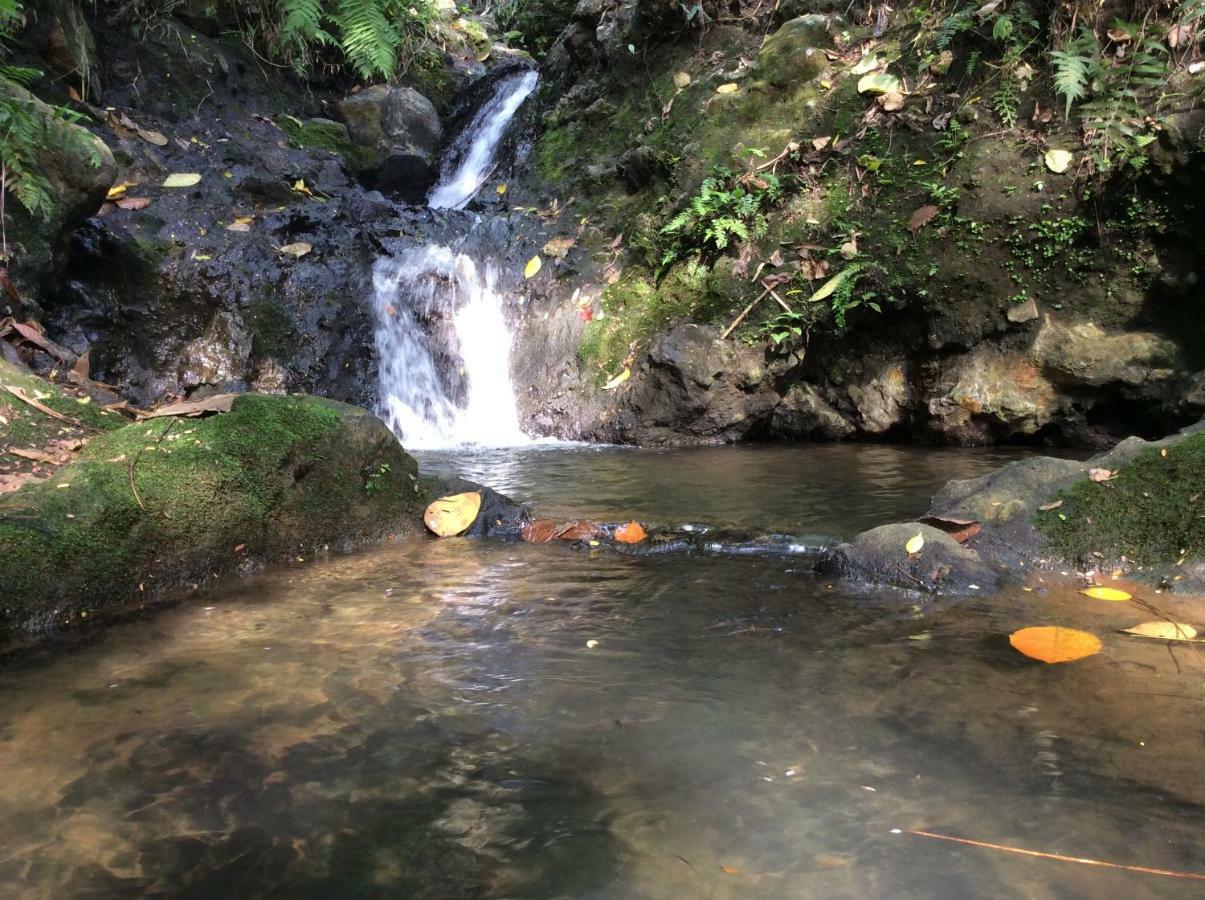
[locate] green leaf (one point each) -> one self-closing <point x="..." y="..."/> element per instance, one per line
<point x="878" y="83"/>
<point x="826" y="290"/>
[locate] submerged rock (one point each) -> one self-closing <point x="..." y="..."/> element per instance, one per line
<point x="879" y="556"/>
<point x="158" y="507"/>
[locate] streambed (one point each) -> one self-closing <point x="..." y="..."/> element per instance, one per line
<point x="426" y="719"/>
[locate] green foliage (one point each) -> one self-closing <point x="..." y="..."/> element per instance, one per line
<point x="23" y="131"/>
<point x="727" y="208"/>
<point x="784" y="329"/>
<point x="534" y="26"/>
<point x="377" y="39"/>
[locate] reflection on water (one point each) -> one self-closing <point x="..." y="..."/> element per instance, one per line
<point x="427" y="720"/>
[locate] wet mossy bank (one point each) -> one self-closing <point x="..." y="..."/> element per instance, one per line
<point x="154" y="509"/>
<point x="1137" y="511"/>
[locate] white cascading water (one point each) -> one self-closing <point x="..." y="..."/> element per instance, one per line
<point x="441" y="336"/>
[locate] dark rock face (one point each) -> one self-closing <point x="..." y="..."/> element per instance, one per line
<point x="694" y="388"/>
<point x="941" y="565"/>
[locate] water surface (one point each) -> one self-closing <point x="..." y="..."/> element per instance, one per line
<point x="432" y="719"/>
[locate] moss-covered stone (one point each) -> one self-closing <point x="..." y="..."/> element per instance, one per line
<point x="1152" y="512"/>
<point x="325" y="134"/>
<point x="23" y="426"/>
<point x="166" y="503"/>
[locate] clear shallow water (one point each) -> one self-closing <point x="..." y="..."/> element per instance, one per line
<point x="426" y="720"/>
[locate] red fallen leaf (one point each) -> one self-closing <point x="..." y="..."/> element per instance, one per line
<point x="961" y="530"/>
<point x="921" y="218"/>
<point x="581" y="530"/>
<point x="134" y="203"/>
<point x="539" y="531"/>
<point x="631" y="533"/>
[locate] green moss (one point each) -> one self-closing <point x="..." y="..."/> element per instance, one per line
<point x="1152" y="512"/>
<point x="324" y="134"/>
<point x="25" y="426"/>
<point x="166" y="501"/>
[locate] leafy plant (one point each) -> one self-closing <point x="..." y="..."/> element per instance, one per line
<point x="727" y="208"/>
<point x="23" y="128"/>
<point x="783" y="327"/>
<point x="376" y="38"/>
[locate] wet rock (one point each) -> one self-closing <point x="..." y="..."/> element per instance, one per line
<point x="795" y="52"/>
<point x="219" y="357"/>
<point x="695" y="388"/>
<point x="142" y="517"/>
<point x="407" y="177"/>
<point x="500" y="517"/>
<point x="1085" y="354"/>
<point x="879" y="556"/>
<point x="393" y="120"/>
<point x="989" y="395"/>
<point x="79" y="170"/>
<point x="68" y="46"/>
<point x="881" y="394"/>
<point x="1020" y="313"/>
<point x="804" y="413"/>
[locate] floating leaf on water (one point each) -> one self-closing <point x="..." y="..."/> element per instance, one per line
<point x="1113" y="595"/>
<point x="581" y="530"/>
<point x="915" y="544"/>
<point x="681" y="80"/>
<point x="631" y="533"/>
<point x="730" y="870"/>
<point x="452" y="515"/>
<point x="878" y="83"/>
<point x="1058" y="161"/>
<point x="533" y="267"/>
<point x="1164" y="631"/>
<point x="729" y="88"/>
<point x="618" y="380"/>
<point x="181" y="180"/>
<point x="539" y="531"/>
<point x="1054" y="644"/>
<point x="591" y="644"/>
<point x="299" y="248"/>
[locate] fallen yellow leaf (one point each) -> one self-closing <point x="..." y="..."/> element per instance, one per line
<point x="300" y="248"/>
<point x="915" y="543"/>
<point x="1164" y="631"/>
<point x="533" y="267"/>
<point x="181" y="180"/>
<point x="452" y="515"/>
<point x="1054" y="644"/>
<point x="618" y="380"/>
<point x="729" y="88"/>
<point x="1106" y="593"/>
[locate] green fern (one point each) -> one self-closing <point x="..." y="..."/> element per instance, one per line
<point x="368" y="39"/>
<point x="1073" y="68"/>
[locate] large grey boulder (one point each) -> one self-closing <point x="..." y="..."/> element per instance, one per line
<point x="393" y="120"/>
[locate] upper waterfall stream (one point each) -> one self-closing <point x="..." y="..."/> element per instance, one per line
<point x="441" y="335"/>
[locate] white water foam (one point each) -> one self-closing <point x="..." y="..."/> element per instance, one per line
<point x="457" y="187"/>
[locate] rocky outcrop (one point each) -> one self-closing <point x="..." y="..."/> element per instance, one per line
<point x="693" y="388"/>
<point x="153" y="509"/>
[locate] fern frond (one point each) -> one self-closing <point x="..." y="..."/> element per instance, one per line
<point x="1071" y="76"/>
<point x="367" y="37"/>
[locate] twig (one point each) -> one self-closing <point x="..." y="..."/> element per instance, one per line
<point x="1171" y="873"/>
<point x="134" y="462"/>
<point x="781" y="302"/>
<point x="744" y="312"/>
<point x="46" y="410"/>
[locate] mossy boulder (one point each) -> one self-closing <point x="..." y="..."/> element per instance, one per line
<point x="155" y="508"/>
<point x="795" y="52"/>
<point x="325" y="134"/>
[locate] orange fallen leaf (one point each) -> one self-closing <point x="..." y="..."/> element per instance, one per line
<point x="730" y="870"/>
<point x="581" y="530"/>
<point x="631" y="533"/>
<point x="452" y="515"/>
<point x="539" y="531"/>
<point x="1054" y="644"/>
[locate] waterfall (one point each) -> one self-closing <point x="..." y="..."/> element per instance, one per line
<point x="476" y="145"/>
<point x="441" y="336"/>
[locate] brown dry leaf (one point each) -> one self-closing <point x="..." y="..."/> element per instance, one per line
<point x="892" y="101"/>
<point x="631" y="533"/>
<point x="730" y="870"/>
<point x="134" y="203"/>
<point x="42" y="407"/>
<point x="37" y="455"/>
<point x="152" y="137"/>
<point x="581" y="530"/>
<point x="922" y="217"/>
<point x="539" y="531"/>
<point x="450" y="516"/>
<point x="961" y="530"/>
<point x="821" y="142"/>
<point x="218" y="403"/>
<point x="1047" y="507"/>
<point x="1100" y="475"/>
<point x="1054" y="644"/>
<point x="11" y="482"/>
<point x="298" y="248"/>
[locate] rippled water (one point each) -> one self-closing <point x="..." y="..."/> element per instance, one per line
<point x="428" y="720"/>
